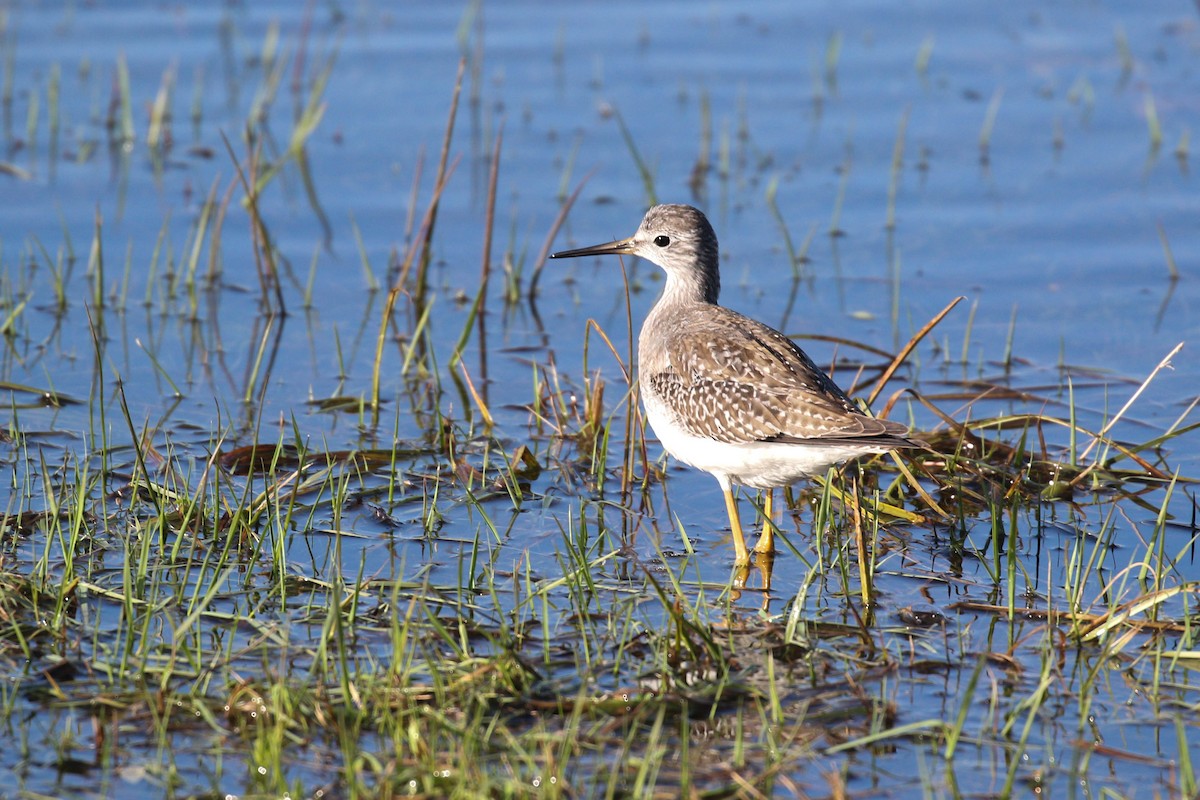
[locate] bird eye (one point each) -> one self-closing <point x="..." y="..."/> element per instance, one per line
<point x="662" y="241"/>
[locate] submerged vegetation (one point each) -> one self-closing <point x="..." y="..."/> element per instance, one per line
<point x="458" y="568"/>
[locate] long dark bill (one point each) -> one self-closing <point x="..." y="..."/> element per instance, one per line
<point x="619" y="247"/>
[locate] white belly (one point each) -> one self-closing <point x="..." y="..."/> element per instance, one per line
<point x="760" y="465"/>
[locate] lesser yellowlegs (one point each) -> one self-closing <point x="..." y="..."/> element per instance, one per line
<point x="729" y="395"/>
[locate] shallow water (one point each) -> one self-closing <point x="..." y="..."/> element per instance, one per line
<point x="1052" y="232"/>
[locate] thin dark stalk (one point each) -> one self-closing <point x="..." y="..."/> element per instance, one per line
<point x="490" y="215"/>
<point x="544" y="253"/>
<point x="264" y="257"/>
<point x="439" y="181"/>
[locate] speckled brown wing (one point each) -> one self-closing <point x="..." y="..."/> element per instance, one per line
<point x="739" y="381"/>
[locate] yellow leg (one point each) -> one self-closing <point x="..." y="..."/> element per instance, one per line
<point x="765" y="565"/>
<point x="741" y="573"/>
<point x="741" y="556"/>
<point x="766" y="542"/>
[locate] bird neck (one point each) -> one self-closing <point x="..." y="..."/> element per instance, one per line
<point x="693" y="285"/>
